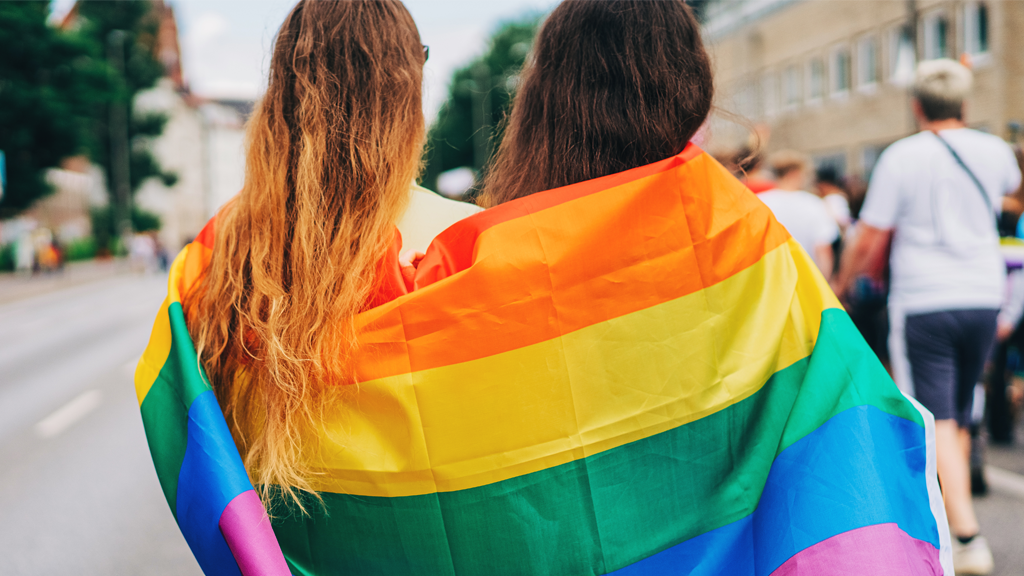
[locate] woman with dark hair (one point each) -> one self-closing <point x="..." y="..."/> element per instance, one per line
<point x="612" y="85"/>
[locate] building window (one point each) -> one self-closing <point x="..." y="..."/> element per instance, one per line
<point x="770" y="93"/>
<point x="976" y="28"/>
<point x="815" y="79"/>
<point x="901" y="56"/>
<point x="935" y="28"/>
<point x="867" y="62"/>
<point x="840" y="71"/>
<point x="791" y="87"/>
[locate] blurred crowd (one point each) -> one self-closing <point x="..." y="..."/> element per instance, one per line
<point x="821" y="210"/>
<point x="36" y="250"/>
<point x="927" y="258"/>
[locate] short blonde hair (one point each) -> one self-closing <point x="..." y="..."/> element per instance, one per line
<point x="785" y="161"/>
<point x="941" y="87"/>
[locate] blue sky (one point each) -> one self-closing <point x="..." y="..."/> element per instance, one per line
<point x="226" y="43"/>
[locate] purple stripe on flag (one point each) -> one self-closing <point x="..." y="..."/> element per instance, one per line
<point x="246" y="528"/>
<point x="880" y="550"/>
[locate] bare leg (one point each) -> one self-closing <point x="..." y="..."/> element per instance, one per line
<point x="952" y="447"/>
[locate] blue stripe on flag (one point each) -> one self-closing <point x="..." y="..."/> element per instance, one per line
<point x="211" y="476"/>
<point x="862" y="467"/>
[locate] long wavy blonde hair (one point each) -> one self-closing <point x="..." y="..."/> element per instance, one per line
<point x="332" y="149"/>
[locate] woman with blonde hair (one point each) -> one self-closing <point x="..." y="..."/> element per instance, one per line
<point x="332" y="148"/>
<point x="263" y="305"/>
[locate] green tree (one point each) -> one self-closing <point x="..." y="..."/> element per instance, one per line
<point x="467" y="128"/>
<point x="51" y="83"/>
<point x="127" y="33"/>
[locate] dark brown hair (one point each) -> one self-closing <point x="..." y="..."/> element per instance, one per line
<point x="611" y="85"/>
<point x="331" y="151"/>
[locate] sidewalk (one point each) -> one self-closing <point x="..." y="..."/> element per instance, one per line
<point x="14" y="287"/>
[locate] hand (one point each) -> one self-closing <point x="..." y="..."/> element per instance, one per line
<point x="1004" y="330"/>
<point x="407" y="262"/>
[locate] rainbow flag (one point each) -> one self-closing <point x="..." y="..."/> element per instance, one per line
<point x="638" y="374"/>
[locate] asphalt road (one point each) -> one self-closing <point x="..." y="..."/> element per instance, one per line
<point x="78" y="494"/>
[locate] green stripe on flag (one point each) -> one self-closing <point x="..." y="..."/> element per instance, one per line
<point x="165" y="409"/>
<point x="608" y="510"/>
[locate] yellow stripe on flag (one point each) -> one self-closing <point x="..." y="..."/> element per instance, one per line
<point x="567" y="398"/>
<point x="159" y="347"/>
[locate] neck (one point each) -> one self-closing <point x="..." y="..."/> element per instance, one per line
<point x="947" y="124"/>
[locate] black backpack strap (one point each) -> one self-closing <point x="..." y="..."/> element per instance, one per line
<point x="977" y="183"/>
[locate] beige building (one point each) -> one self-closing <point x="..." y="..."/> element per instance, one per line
<point x="202" y="144"/>
<point x="829" y="77"/>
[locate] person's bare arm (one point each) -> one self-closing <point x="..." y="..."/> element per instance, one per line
<point x="868" y="248"/>
<point x="825" y="259"/>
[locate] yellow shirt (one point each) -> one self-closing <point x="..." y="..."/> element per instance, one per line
<point x="428" y="215"/>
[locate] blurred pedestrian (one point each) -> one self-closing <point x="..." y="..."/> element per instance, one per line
<point x="829" y="188"/>
<point x="805" y="215"/>
<point x="163" y="258"/>
<point x="24" y="253"/>
<point x="936" y="195"/>
<point x="867" y="298"/>
<point x="999" y="401"/>
<point x="142" y="252"/>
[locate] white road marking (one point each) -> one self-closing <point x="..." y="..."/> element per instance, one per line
<point x="65" y="416"/>
<point x="1009" y="483"/>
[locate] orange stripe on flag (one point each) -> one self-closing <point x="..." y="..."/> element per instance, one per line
<point x="656" y="247"/>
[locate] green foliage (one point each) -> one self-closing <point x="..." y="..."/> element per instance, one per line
<point x="141" y="71"/>
<point x="57" y="88"/>
<point x="104" y="228"/>
<point x="103" y="231"/>
<point x="465" y="132"/>
<point x="80" y="249"/>
<point x="144" y="221"/>
<point x="51" y="85"/>
<point x="143" y="165"/>
<point x="7" y="257"/>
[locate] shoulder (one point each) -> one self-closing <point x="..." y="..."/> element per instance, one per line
<point x="911" y="146"/>
<point x="983" y="144"/>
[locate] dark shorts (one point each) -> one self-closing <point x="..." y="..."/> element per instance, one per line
<point x="947" y="352"/>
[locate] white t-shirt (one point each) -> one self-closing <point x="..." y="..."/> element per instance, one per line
<point x="839" y="208"/>
<point x="427" y="215"/>
<point x="945" y="250"/>
<point x="804" y="215"/>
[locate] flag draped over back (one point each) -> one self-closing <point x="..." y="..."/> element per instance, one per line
<point x="637" y="374"/>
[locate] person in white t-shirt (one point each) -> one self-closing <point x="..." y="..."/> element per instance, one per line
<point x="936" y="195"/>
<point x="830" y="190"/>
<point x="802" y="213"/>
